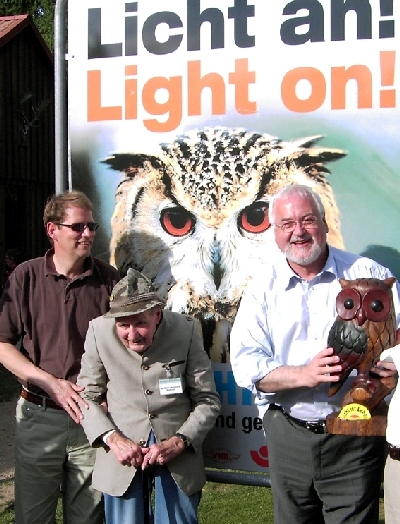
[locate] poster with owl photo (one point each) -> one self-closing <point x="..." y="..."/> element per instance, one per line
<point x="185" y="118"/>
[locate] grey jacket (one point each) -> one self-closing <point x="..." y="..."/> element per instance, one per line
<point x="135" y="405"/>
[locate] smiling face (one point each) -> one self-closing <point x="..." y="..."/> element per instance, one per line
<point x="304" y="247"/>
<point x="136" y="332"/>
<point x="69" y="243"/>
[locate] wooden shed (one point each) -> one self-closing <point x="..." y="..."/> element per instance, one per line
<point x="26" y="136"/>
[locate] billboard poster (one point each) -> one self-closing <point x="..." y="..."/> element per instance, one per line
<point x="186" y="116"/>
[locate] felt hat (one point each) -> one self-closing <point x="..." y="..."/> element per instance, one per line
<point x="132" y="295"/>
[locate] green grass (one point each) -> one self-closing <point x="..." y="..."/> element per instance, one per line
<point x="220" y="504"/>
<point x="232" y="504"/>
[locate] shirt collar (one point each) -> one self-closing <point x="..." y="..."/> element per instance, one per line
<point x="50" y="268"/>
<point x="290" y="278"/>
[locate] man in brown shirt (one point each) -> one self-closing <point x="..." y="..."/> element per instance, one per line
<point x="47" y="305"/>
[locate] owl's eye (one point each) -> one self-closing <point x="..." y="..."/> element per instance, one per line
<point x="254" y="218"/>
<point x="377" y="304"/>
<point x="177" y="221"/>
<point x="348" y="302"/>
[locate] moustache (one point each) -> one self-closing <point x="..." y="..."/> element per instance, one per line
<point x="295" y="238"/>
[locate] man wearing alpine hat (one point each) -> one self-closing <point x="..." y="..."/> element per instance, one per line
<point x="151" y="367"/>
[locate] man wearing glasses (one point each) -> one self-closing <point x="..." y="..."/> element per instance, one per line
<point x="278" y="351"/>
<point x="47" y="306"/>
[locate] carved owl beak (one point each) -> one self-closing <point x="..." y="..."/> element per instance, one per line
<point x="361" y="317"/>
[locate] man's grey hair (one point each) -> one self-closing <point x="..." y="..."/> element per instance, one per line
<point x="295" y="189"/>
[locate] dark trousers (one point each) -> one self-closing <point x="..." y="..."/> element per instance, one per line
<point x="322" y="478"/>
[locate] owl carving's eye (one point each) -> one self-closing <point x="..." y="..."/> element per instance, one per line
<point x="348" y="302"/>
<point x="177" y="221"/>
<point x="254" y="218"/>
<point x="376" y="304"/>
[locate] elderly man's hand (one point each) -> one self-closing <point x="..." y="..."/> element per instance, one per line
<point x="162" y="453"/>
<point x="128" y="453"/>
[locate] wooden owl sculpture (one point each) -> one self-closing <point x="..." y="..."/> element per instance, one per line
<point x="364" y="327"/>
<point x="193" y="217"/>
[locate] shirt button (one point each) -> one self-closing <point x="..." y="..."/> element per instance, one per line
<point x="152" y="415"/>
<point x="149" y="392"/>
<point x="145" y="367"/>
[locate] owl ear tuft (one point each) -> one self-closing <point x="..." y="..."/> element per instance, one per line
<point x="390" y="281"/>
<point x="129" y="163"/>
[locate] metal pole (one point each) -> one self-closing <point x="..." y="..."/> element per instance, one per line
<point x="238" y="477"/>
<point x="60" y="98"/>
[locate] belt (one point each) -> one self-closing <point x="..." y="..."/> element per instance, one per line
<point x="394" y="453"/>
<point x="45" y="402"/>
<point x="318" y="427"/>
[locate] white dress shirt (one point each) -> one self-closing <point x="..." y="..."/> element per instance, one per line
<point x="393" y="418"/>
<point x="285" y="320"/>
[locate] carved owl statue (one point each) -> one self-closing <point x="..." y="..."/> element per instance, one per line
<point x="364" y="327"/>
<point x="194" y="217"/>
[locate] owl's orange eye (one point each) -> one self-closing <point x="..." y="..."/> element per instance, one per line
<point x="348" y="302"/>
<point x="177" y="221"/>
<point x="254" y="218"/>
<point x="376" y="304"/>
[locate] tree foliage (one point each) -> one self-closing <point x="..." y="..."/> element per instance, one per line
<point x="42" y="12"/>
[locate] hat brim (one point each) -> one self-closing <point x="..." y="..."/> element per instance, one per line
<point x="132" y="309"/>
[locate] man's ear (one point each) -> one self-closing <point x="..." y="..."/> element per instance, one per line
<point x="50" y="228"/>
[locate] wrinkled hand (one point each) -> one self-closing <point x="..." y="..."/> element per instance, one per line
<point x="162" y="453"/>
<point x="323" y="367"/>
<point x="66" y="394"/>
<point x="128" y="453"/>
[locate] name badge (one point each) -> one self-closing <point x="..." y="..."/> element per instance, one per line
<point x="170" y="386"/>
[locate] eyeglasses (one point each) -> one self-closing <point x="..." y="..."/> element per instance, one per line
<point x="307" y="222"/>
<point x="79" y="227"/>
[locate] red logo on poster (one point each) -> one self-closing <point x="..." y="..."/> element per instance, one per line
<point x="260" y="457"/>
<point x="222" y="455"/>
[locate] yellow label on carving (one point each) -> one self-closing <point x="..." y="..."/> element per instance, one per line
<point x="354" y="412"/>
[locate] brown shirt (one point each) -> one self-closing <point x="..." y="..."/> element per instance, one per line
<point x="52" y="312"/>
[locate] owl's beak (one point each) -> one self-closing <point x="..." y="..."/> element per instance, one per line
<point x="217" y="271"/>
<point x="361" y="317"/>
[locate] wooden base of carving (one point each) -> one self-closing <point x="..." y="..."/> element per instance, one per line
<point x="373" y="427"/>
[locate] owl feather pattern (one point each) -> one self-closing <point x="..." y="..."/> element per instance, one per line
<point x="364" y="327"/>
<point x="194" y="216"/>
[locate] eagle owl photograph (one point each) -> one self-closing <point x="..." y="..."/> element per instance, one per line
<point x="364" y="327"/>
<point x="193" y="217"/>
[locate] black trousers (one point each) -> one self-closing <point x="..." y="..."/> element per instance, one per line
<point x="322" y="478"/>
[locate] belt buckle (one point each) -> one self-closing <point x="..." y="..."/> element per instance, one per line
<point x="316" y="427"/>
